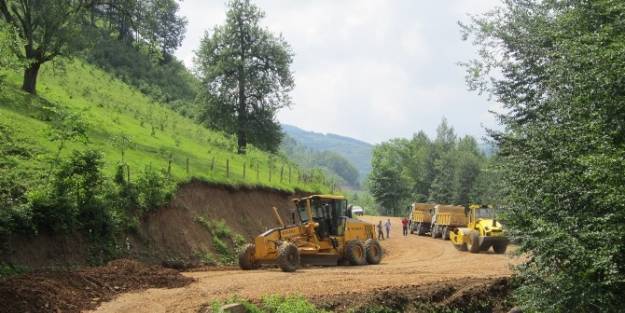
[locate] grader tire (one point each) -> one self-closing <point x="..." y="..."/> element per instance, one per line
<point x="474" y="242"/>
<point x="288" y="257"/>
<point x="500" y="247"/>
<point x="373" y="251"/>
<point x="246" y="257"/>
<point x="355" y="253"/>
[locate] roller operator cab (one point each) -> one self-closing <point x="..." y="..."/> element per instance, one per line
<point x="321" y="231"/>
<point x="483" y="231"/>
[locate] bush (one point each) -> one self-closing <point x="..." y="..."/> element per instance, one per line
<point x="153" y="190"/>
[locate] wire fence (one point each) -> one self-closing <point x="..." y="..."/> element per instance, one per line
<point x="262" y="172"/>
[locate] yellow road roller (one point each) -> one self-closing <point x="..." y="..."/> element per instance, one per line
<point x="482" y="232"/>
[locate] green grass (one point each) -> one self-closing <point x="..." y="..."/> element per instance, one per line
<point x="113" y="110"/>
<point x="271" y="304"/>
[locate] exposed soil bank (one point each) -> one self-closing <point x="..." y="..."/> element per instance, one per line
<point x="170" y="233"/>
<point x="173" y="233"/>
<point x="83" y="289"/>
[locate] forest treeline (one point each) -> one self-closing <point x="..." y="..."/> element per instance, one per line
<point x="446" y="169"/>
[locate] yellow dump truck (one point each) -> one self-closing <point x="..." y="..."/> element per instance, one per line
<point x="421" y="218"/>
<point x="446" y="218"/>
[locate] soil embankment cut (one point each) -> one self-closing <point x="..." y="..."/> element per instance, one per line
<point x="170" y="233"/>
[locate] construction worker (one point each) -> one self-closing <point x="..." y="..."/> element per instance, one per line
<point x="404" y="224"/>
<point x="380" y="232"/>
<point x="387" y="225"/>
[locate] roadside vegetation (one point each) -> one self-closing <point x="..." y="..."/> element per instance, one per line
<point x="556" y="66"/>
<point x="226" y="243"/>
<point x="270" y="304"/>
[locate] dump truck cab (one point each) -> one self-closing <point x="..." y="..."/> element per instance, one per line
<point x="482" y="232"/>
<point x="321" y="232"/>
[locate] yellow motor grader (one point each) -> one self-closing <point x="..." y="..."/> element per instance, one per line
<point x="482" y="232"/>
<point x="321" y="232"/>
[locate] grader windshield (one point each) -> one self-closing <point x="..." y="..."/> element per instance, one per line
<point x="328" y="212"/>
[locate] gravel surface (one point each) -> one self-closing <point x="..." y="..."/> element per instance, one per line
<point x="408" y="261"/>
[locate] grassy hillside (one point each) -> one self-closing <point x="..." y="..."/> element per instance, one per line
<point x="120" y="118"/>
<point x="356" y="151"/>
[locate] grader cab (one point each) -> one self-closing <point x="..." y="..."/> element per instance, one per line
<point x="482" y="232"/>
<point x="321" y="232"/>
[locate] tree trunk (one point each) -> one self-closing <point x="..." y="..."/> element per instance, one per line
<point x="30" y="78"/>
<point x="241" y="128"/>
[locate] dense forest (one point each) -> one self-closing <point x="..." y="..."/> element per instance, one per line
<point x="446" y="169"/>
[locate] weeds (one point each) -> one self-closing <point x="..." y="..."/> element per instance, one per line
<point x="226" y="242"/>
<point x="272" y="304"/>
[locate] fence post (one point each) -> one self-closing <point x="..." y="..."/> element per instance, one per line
<point x="244" y="166"/>
<point x="227" y="167"/>
<point x="128" y="173"/>
<point x="257" y="172"/>
<point x="187" y="166"/>
<point x="269" y="172"/>
<point x="169" y="168"/>
<point x="281" y="173"/>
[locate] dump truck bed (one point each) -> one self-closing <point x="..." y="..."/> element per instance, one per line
<point x="421" y="212"/>
<point x="451" y="215"/>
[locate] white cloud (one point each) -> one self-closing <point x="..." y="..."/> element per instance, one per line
<point x="370" y="69"/>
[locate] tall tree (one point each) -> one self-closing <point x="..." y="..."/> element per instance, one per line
<point x="246" y="74"/>
<point x="49" y="28"/>
<point x="558" y="69"/>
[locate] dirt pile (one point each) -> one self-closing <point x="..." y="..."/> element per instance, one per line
<point x="466" y="295"/>
<point x="84" y="289"/>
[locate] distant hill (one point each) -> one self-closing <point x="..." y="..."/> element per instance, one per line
<point x="356" y="151"/>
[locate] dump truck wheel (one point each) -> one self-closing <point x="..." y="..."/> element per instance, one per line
<point x="500" y="247"/>
<point x="474" y="242"/>
<point x="355" y="253"/>
<point x="419" y="228"/>
<point x="373" y="251"/>
<point x="288" y="257"/>
<point x="246" y="257"/>
<point x="446" y="233"/>
<point x="433" y="231"/>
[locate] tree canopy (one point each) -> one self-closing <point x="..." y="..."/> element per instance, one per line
<point x="245" y="70"/>
<point x="444" y="170"/>
<point x="557" y="67"/>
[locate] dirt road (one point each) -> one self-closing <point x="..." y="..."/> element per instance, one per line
<point x="408" y="261"/>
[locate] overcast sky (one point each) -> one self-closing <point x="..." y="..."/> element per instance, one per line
<point x="368" y="69"/>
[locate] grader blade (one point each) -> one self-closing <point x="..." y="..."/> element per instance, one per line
<point x="320" y="259"/>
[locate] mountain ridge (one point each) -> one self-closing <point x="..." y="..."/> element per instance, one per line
<point x="356" y="151"/>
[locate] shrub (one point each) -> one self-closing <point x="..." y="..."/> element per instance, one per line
<point x="154" y="190"/>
